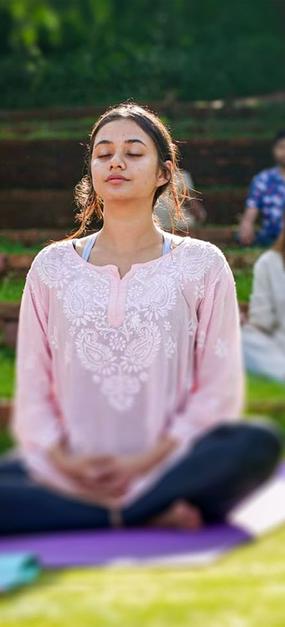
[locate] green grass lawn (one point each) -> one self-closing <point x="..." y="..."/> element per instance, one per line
<point x="11" y="288"/>
<point x="243" y="280"/>
<point x="11" y="247"/>
<point x="7" y="369"/>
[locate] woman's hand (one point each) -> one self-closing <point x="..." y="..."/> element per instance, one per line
<point x="246" y="228"/>
<point x="246" y="233"/>
<point x="104" y="477"/>
<point x="127" y="468"/>
<point x="89" y="473"/>
<point x="122" y="469"/>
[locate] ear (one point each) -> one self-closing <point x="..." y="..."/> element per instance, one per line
<point x="164" y="176"/>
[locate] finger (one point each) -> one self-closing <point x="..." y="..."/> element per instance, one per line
<point x="118" y="491"/>
<point x="103" y="491"/>
<point x="110" y="486"/>
<point x="121" y="484"/>
<point x="101" y="474"/>
<point x="100" y="460"/>
<point x="88" y="460"/>
<point x="99" y="480"/>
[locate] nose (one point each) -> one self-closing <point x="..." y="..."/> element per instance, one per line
<point x="117" y="161"/>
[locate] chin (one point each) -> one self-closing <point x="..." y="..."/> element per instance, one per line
<point x="118" y="196"/>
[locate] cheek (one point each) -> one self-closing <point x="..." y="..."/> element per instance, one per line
<point x="145" y="173"/>
<point x="96" y="172"/>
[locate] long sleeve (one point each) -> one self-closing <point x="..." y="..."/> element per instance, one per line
<point x="262" y="312"/>
<point x="218" y="391"/>
<point x="35" y="416"/>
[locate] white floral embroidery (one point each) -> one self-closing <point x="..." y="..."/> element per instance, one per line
<point x="54" y="338"/>
<point x="119" y="357"/>
<point x="81" y="301"/>
<point x="142" y="349"/>
<point x="50" y="263"/>
<point x="191" y="327"/>
<point x="117" y="341"/>
<point x="95" y="356"/>
<point x="198" y="257"/>
<point x="120" y="390"/>
<point x="221" y="348"/>
<point x="135" y="322"/>
<point x="156" y="299"/>
<point x="166" y="325"/>
<point x="67" y="353"/>
<point x="199" y="291"/>
<point x="169" y="347"/>
<point x="201" y="338"/>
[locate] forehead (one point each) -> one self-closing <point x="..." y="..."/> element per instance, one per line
<point x="119" y="131"/>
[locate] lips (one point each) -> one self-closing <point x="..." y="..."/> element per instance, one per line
<point x="116" y="178"/>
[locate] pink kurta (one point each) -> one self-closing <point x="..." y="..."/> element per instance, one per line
<point x="113" y="363"/>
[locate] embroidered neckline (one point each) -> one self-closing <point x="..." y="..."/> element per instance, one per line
<point x="112" y="267"/>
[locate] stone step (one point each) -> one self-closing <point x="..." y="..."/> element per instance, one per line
<point x="174" y="109"/>
<point x="223" y="234"/>
<point x="243" y="259"/>
<point x="18" y="263"/>
<point x="5" y="412"/>
<point x="9" y="315"/>
<point x="58" y="163"/>
<point x="32" y="236"/>
<point x="49" y="208"/>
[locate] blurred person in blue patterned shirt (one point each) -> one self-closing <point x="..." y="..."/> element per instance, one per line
<point x="266" y="201"/>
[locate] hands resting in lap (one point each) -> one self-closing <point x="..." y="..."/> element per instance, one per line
<point x="104" y="479"/>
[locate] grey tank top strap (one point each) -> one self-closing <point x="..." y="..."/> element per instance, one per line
<point x="90" y="243"/>
<point x="166" y="244"/>
<point x="88" y="247"/>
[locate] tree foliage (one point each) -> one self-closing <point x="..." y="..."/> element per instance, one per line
<point x="86" y="51"/>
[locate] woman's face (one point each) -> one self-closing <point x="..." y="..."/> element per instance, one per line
<point x="122" y="148"/>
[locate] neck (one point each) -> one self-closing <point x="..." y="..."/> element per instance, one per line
<point x="128" y="227"/>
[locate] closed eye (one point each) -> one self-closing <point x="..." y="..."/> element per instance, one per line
<point x="130" y="154"/>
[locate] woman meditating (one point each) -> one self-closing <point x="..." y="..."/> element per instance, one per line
<point x="129" y="378"/>
<point x="263" y="335"/>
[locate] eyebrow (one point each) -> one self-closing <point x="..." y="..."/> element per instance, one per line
<point x="127" y="141"/>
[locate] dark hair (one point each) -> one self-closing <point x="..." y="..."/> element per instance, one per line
<point x="279" y="136"/>
<point x="91" y="206"/>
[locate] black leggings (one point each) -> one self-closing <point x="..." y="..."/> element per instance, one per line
<point x="225" y="465"/>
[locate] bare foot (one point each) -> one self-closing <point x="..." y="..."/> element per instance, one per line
<point x="181" y="515"/>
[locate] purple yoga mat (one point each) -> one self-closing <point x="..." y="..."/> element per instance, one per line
<point x="90" y="548"/>
<point x="78" y="548"/>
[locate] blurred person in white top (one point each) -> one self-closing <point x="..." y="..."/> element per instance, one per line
<point x="263" y="334"/>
